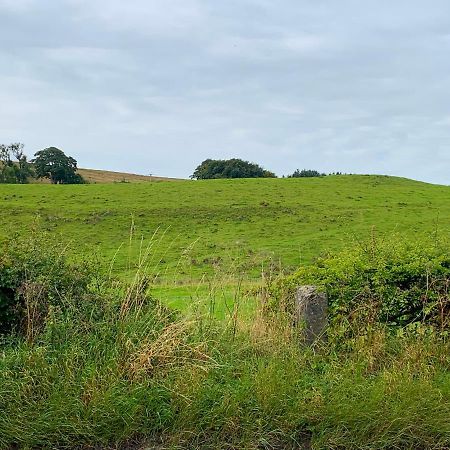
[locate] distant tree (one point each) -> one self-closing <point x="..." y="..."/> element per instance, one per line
<point x="14" y="166"/>
<point x="23" y="168"/>
<point x="6" y="172"/>
<point x="230" y="168"/>
<point x="54" y="164"/>
<point x="306" y="173"/>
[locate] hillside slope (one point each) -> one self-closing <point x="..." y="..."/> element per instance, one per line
<point x="94" y="176"/>
<point x="198" y="226"/>
<point x="107" y="176"/>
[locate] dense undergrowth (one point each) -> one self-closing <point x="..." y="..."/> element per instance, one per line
<point x="118" y="368"/>
<point x="402" y="284"/>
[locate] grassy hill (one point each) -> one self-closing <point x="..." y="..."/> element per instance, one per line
<point x="195" y="227"/>
<point x="106" y="176"/>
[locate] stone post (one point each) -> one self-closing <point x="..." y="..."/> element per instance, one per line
<point x="311" y="308"/>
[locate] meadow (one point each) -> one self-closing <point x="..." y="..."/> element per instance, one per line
<point x="194" y="227"/>
<point x="193" y="231"/>
<point x="97" y="359"/>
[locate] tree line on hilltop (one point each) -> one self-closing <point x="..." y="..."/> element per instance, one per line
<point x="53" y="164"/>
<point x="50" y="163"/>
<point x="237" y="168"/>
<point x="230" y="168"/>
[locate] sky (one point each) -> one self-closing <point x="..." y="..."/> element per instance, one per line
<point x="157" y="86"/>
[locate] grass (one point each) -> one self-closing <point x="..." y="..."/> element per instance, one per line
<point x="199" y="229"/>
<point x="106" y="176"/>
<point x="206" y="224"/>
<point x="146" y="377"/>
<point x="121" y="370"/>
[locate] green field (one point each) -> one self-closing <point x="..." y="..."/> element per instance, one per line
<point x="193" y="231"/>
<point x="197" y="226"/>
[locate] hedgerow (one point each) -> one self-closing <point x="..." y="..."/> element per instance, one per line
<point x="396" y="282"/>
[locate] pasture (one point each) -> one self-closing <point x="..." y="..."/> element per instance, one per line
<point x="189" y="233"/>
<point x="195" y="227"/>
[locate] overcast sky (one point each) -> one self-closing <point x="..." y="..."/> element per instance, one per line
<point x="157" y="86"/>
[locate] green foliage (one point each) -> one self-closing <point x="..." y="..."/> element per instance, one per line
<point x="53" y="164"/>
<point x="18" y="171"/>
<point x="231" y="168"/>
<point x="394" y="281"/>
<point x="35" y="275"/>
<point x="109" y="367"/>
<point x="306" y="173"/>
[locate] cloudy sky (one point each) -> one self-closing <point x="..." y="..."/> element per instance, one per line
<point x="157" y="86"/>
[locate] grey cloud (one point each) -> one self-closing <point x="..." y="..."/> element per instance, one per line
<point x="351" y="86"/>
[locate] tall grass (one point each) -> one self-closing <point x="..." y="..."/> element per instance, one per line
<point x="120" y="368"/>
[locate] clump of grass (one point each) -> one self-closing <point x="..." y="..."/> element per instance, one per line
<point x="98" y="377"/>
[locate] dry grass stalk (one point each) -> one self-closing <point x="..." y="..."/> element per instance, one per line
<point x="36" y="308"/>
<point x="169" y="350"/>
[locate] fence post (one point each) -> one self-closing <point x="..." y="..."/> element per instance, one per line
<point x="311" y="310"/>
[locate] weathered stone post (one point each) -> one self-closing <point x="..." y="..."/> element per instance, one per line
<point x="311" y="310"/>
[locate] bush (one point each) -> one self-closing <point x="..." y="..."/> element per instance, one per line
<point x="36" y="274"/>
<point x="231" y="168"/>
<point x="306" y="173"/>
<point x="396" y="282"/>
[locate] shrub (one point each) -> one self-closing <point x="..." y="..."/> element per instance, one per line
<point x="230" y="168"/>
<point x="396" y="282"/>
<point x="36" y="273"/>
<point x="306" y="173"/>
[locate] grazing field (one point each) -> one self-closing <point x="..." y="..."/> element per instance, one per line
<point x="198" y="226"/>
<point x="107" y="176"/>
<point x="190" y="231"/>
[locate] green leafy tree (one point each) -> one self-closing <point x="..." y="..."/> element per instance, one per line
<point x="23" y="168"/>
<point x="230" y="168"/>
<point x="14" y="165"/>
<point x="306" y="173"/>
<point x="54" y="164"/>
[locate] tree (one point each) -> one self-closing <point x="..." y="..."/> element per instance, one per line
<point x="230" y="168"/>
<point x="6" y="170"/>
<point x="54" y="164"/>
<point x="23" y="168"/>
<point x="11" y="171"/>
<point x="306" y="173"/>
